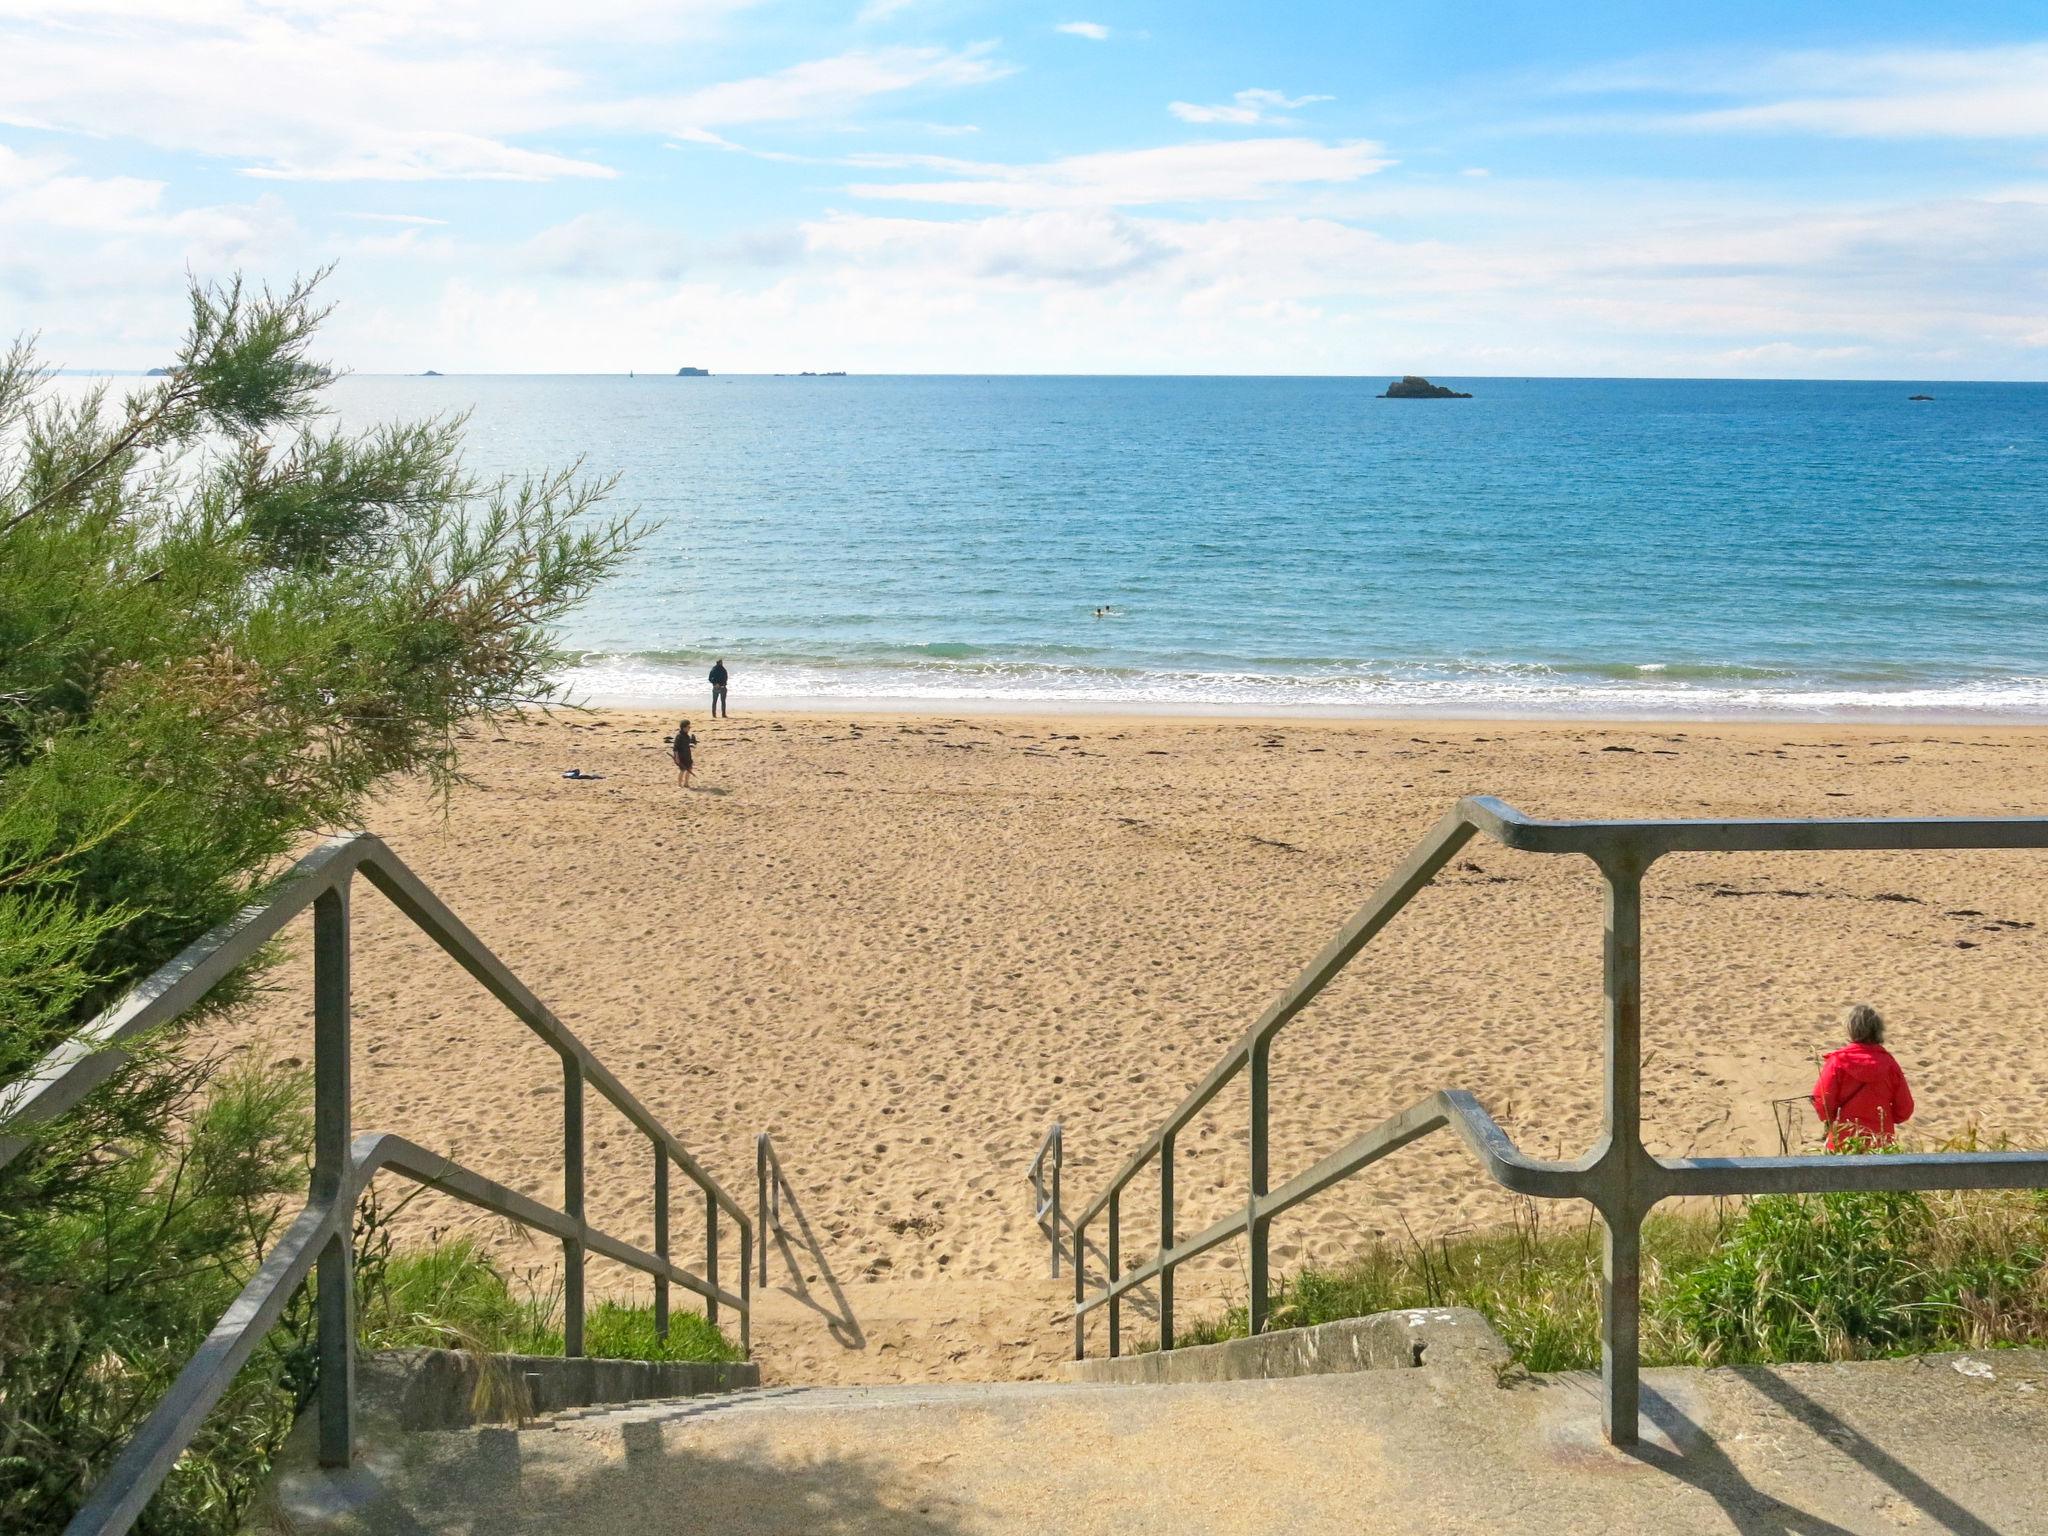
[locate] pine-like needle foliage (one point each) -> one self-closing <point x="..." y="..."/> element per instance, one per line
<point x="221" y="624"/>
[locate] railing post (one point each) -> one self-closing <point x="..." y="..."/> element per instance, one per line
<point x="747" y="1290"/>
<point x="660" y="1237"/>
<point x="1165" y="1242"/>
<point x="1116" y="1269"/>
<point x="1621" y="1170"/>
<point x="1059" y="1155"/>
<point x="1255" y="1224"/>
<point x="332" y="1132"/>
<point x="711" y="1254"/>
<point x="1080" y="1293"/>
<point x="572" y="1205"/>
<point x="761" y="1198"/>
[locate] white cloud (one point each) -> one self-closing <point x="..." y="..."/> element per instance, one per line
<point x="1884" y="94"/>
<point x="1235" y="171"/>
<point x="389" y="90"/>
<point x="93" y="262"/>
<point x="1629" y="283"/>
<point x="816" y="89"/>
<point x="291" y="94"/>
<point x="428" y="156"/>
<point x="1094" y="31"/>
<point x="1060" y="248"/>
<point x="390" y="22"/>
<point x="1247" y="109"/>
<point x="1781" y="356"/>
<point x="1278" y="252"/>
<point x="1587" y="279"/>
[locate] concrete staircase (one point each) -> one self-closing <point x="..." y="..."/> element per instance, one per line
<point x="1941" y="1444"/>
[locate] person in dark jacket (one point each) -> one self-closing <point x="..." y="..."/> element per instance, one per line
<point x="679" y="749"/>
<point x="718" y="681"/>
<point x="1862" y="1095"/>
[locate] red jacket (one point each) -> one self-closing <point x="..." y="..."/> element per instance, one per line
<point x="1862" y="1092"/>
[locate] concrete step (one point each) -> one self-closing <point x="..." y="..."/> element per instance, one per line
<point x="1940" y="1444"/>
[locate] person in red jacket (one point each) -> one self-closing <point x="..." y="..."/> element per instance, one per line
<point x="1862" y="1095"/>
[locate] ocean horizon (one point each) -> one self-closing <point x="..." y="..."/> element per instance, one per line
<point x="1595" y="548"/>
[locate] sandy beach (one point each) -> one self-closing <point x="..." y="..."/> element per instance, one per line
<point x="905" y="945"/>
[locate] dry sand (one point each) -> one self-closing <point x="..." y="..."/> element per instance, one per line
<point x="905" y="945"/>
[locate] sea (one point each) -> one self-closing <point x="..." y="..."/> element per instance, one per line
<point x="1604" y="548"/>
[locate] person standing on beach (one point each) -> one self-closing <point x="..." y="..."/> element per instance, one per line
<point x="1862" y="1095"/>
<point x="679" y="749"/>
<point x="718" y="679"/>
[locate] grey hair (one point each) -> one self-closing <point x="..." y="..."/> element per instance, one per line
<point x="1866" y="1025"/>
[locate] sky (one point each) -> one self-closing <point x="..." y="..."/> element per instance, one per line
<point x="1802" y="190"/>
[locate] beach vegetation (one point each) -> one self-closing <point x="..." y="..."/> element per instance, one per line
<point x="452" y="1295"/>
<point x="1769" y="1280"/>
<point x="223" y="622"/>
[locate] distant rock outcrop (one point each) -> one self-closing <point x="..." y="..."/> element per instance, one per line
<point x="693" y="373"/>
<point x="158" y="373"/>
<point x="431" y="373"/>
<point x="1919" y="397"/>
<point x="1409" y="387"/>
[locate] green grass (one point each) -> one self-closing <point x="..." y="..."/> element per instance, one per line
<point x="450" y="1296"/>
<point x="1775" y="1279"/>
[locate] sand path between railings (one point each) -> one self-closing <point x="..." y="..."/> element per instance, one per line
<point x="904" y="945"/>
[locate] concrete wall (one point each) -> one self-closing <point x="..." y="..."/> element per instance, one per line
<point x="1425" y="1336"/>
<point x="453" y="1389"/>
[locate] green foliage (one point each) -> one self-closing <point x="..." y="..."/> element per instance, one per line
<point x="615" y="1331"/>
<point x="1778" y="1278"/>
<point x="450" y="1296"/>
<point x="108" y="1294"/>
<point x="1811" y="1277"/>
<point x="221" y="625"/>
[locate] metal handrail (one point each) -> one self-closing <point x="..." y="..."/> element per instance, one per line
<point x="320" y="1236"/>
<point x="1619" y="1177"/>
<point x="1046" y="1192"/>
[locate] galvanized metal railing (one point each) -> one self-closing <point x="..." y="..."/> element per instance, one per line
<point x="1044" y="1177"/>
<point x="800" y="1247"/>
<point x="319" y="1239"/>
<point x="1619" y="1177"/>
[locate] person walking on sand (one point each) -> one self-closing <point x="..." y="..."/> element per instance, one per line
<point x="679" y="749"/>
<point x="718" y="681"/>
<point x="1862" y="1097"/>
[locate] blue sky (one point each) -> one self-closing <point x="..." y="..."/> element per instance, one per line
<point x="1782" y="190"/>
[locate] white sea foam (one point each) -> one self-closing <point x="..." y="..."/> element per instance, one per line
<point x="1529" y="691"/>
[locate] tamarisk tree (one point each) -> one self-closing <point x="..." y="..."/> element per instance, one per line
<point x="222" y="622"/>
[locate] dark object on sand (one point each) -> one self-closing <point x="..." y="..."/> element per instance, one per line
<point x="693" y="373"/>
<point x="1409" y="387"/>
<point x="578" y="773"/>
<point x="1919" y="397"/>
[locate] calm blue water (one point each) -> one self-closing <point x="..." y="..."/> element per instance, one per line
<point x="1551" y="546"/>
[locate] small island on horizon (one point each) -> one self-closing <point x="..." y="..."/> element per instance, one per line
<point x="693" y="373"/>
<point x="1413" y="387"/>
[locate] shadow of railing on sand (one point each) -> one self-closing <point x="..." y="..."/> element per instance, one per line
<point x="776" y="1193"/>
